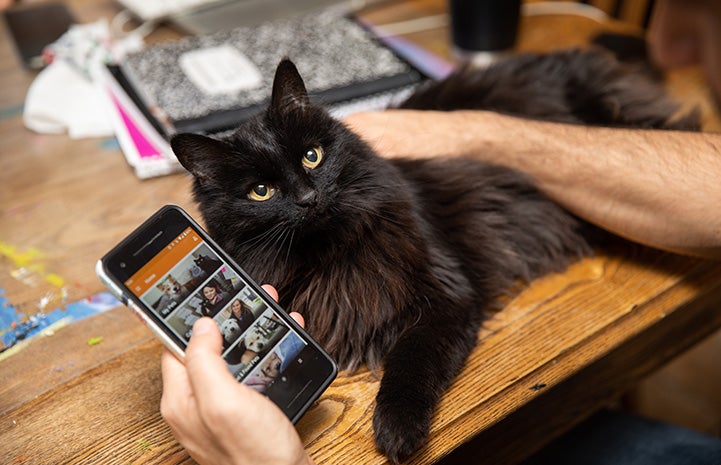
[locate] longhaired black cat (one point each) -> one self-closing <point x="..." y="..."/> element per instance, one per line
<point x="393" y="262"/>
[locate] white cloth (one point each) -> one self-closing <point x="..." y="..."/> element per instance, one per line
<point x="64" y="96"/>
<point x="62" y="99"/>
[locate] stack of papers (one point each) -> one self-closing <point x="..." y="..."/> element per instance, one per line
<point x="210" y="84"/>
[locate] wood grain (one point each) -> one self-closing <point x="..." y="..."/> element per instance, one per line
<point x="567" y="343"/>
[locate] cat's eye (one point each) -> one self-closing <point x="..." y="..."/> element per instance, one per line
<point x="312" y="157"/>
<point x="261" y="192"/>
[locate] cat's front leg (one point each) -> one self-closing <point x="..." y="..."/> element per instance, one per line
<point x="417" y="371"/>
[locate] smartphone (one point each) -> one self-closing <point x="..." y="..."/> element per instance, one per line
<point x="170" y="273"/>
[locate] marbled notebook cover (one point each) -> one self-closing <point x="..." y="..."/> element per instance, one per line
<point x="338" y="59"/>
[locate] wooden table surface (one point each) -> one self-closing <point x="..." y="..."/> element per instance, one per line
<point x="565" y="346"/>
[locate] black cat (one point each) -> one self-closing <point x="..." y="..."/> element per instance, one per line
<point x="394" y="262"/>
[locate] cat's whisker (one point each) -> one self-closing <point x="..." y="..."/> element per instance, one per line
<point x="375" y="214"/>
<point x="290" y="245"/>
<point x="372" y="212"/>
<point x="278" y="243"/>
<point x="260" y="237"/>
<point x="269" y="239"/>
<point x="360" y="182"/>
<point x="361" y="190"/>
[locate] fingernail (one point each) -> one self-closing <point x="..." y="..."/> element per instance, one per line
<point x="203" y="326"/>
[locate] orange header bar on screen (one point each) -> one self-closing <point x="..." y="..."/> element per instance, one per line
<point x="174" y="252"/>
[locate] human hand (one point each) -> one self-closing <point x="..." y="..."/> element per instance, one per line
<point x="217" y="419"/>
<point x="403" y="133"/>
<point x="683" y="33"/>
<point x="486" y="135"/>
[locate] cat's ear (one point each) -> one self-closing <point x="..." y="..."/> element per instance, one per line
<point x="197" y="153"/>
<point x="289" y="92"/>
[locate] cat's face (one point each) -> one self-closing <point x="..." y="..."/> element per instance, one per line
<point x="292" y="173"/>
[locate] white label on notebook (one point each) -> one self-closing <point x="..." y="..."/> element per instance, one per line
<point x="220" y="70"/>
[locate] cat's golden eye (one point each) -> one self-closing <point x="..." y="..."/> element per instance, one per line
<point x="261" y="192"/>
<point x="312" y="157"/>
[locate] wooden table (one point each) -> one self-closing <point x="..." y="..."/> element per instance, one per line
<point x="567" y="345"/>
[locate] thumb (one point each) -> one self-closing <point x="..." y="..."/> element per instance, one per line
<point x="205" y="338"/>
<point x="203" y="363"/>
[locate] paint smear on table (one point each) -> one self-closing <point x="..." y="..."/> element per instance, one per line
<point x="28" y="266"/>
<point x="16" y="328"/>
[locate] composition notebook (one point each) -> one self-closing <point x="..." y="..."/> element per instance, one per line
<point x="209" y="84"/>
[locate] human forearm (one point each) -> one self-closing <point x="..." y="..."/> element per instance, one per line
<point x="654" y="187"/>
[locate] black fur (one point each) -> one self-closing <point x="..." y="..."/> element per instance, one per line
<point x="393" y="262"/>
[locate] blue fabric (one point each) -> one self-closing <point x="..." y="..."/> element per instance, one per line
<point x="618" y="438"/>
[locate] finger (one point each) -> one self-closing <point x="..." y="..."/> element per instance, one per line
<point x="173" y="372"/>
<point x="205" y="339"/>
<point x="176" y="386"/>
<point x="207" y="371"/>
<point x="271" y="291"/>
<point x="177" y="396"/>
<point x="274" y="294"/>
<point x="298" y="318"/>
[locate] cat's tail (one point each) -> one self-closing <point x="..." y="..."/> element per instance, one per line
<point x="632" y="50"/>
<point x="628" y="48"/>
<point x="579" y="85"/>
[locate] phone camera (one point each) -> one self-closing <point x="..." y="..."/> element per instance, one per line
<point x="122" y="264"/>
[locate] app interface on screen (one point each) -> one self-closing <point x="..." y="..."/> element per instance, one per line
<point x="187" y="280"/>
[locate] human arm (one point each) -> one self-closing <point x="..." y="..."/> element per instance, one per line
<point x="659" y="188"/>
<point x="217" y="419"/>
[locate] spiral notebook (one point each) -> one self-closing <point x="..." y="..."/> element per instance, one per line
<point x="209" y="84"/>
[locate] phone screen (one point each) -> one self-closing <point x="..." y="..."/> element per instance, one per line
<point x="178" y="275"/>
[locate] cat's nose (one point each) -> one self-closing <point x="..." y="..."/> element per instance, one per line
<point x="308" y="198"/>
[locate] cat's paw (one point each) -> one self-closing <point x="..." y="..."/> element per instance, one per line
<point x="399" y="431"/>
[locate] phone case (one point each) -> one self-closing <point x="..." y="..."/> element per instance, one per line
<point x="164" y="270"/>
